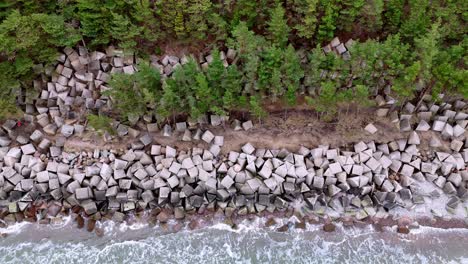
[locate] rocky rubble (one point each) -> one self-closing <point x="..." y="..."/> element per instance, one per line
<point x="365" y="179"/>
<point x="73" y="88"/>
<point x="339" y="48"/>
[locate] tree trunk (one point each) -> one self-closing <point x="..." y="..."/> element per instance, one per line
<point x="423" y="93"/>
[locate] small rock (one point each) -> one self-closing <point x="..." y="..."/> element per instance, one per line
<point x="329" y="227"/>
<point x="91" y="224"/>
<point x="300" y="225"/>
<point x="270" y="222"/>
<point x="80" y="221"/>
<point x="163" y="217"/>
<point x="99" y="231"/>
<point x="403" y="230"/>
<point x="283" y="228"/>
<point x="193" y="224"/>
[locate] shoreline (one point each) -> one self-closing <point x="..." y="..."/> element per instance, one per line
<point x="249" y="240"/>
<point x="283" y="221"/>
<point x="406" y="163"/>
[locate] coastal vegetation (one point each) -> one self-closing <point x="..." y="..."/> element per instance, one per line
<point x="414" y="48"/>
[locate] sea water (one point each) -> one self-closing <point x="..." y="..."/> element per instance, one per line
<point x="249" y="242"/>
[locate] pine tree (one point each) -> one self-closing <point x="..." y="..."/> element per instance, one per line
<point x="149" y="83"/>
<point x="124" y="31"/>
<point x="215" y="74"/>
<point x="360" y="96"/>
<point x="125" y="96"/>
<point x="327" y="100"/>
<point x="232" y="86"/>
<point x="244" y="41"/>
<point x="205" y="99"/>
<point x="313" y="71"/>
<point x="278" y="28"/>
<point x="394" y="15"/>
<point x="418" y="20"/>
<point x="373" y="62"/>
<point x="181" y="89"/>
<point x="450" y="78"/>
<point x="247" y="44"/>
<point x="350" y="10"/>
<point x="256" y="108"/>
<point x="291" y="98"/>
<point x="405" y="85"/>
<point x="308" y="23"/>
<point x="132" y="94"/>
<point x="420" y="73"/>
<point x="253" y="13"/>
<point x="25" y="41"/>
<point x="291" y="68"/>
<point x="327" y="25"/>
<point x="94" y="22"/>
<point x="372" y="15"/>
<point x="452" y="14"/>
<point x="170" y="101"/>
<point x="244" y="11"/>
<point x="101" y="123"/>
<point x="197" y="18"/>
<point x="150" y="27"/>
<point x="178" y="20"/>
<point x="269" y="74"/>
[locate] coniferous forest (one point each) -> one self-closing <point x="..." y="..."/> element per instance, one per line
<point x="408" y="49"/>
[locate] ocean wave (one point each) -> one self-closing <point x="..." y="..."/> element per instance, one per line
<point x="248" y="242"/>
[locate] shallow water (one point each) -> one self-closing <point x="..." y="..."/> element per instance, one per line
<point x="249" y="243"/>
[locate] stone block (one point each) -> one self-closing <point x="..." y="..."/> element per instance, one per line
<point x="265" y="172"/>
<point x="215" y="120"/>
<point x="247" y="125"/>
<point x="207" y="136"/>
<point x="341" y="48"/>
<point x="28" y="149"/>
<point x="215" y="150"/>
<point x="67" y="130"/>
<point x="82" y="193"/>
<point x="458" y="131"/>
<point x="146" y="139"/>
<point x="89" y="207"/>
<point x="167" y="130"/>
<point x="219" y="140"/>
<point x="333" y="190"/>
<point x="438" y="125"/>
<point x="173" y="182"/>
<point x="335" y="168"/>
<point x="405" y="125"/>
<point x="227" y="182"/>
<point x="318" y="182"/>
<point x="371" y="129"/>
<point x="181" y="126"/>
<point x="456" y="145"/>
<point x="413" y="139"/>
<point x="248" y="148"/>
<point x="447" y="132"/>
<point x="170" y="152"/>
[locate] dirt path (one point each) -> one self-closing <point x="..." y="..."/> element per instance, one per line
<point x="275" y="132"/>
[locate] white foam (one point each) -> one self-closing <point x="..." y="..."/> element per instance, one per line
<point x="65" y="222"/>
<point x="435" y="230"/>
<point x="15" y="228"/>
<point x="250" y="242"/>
